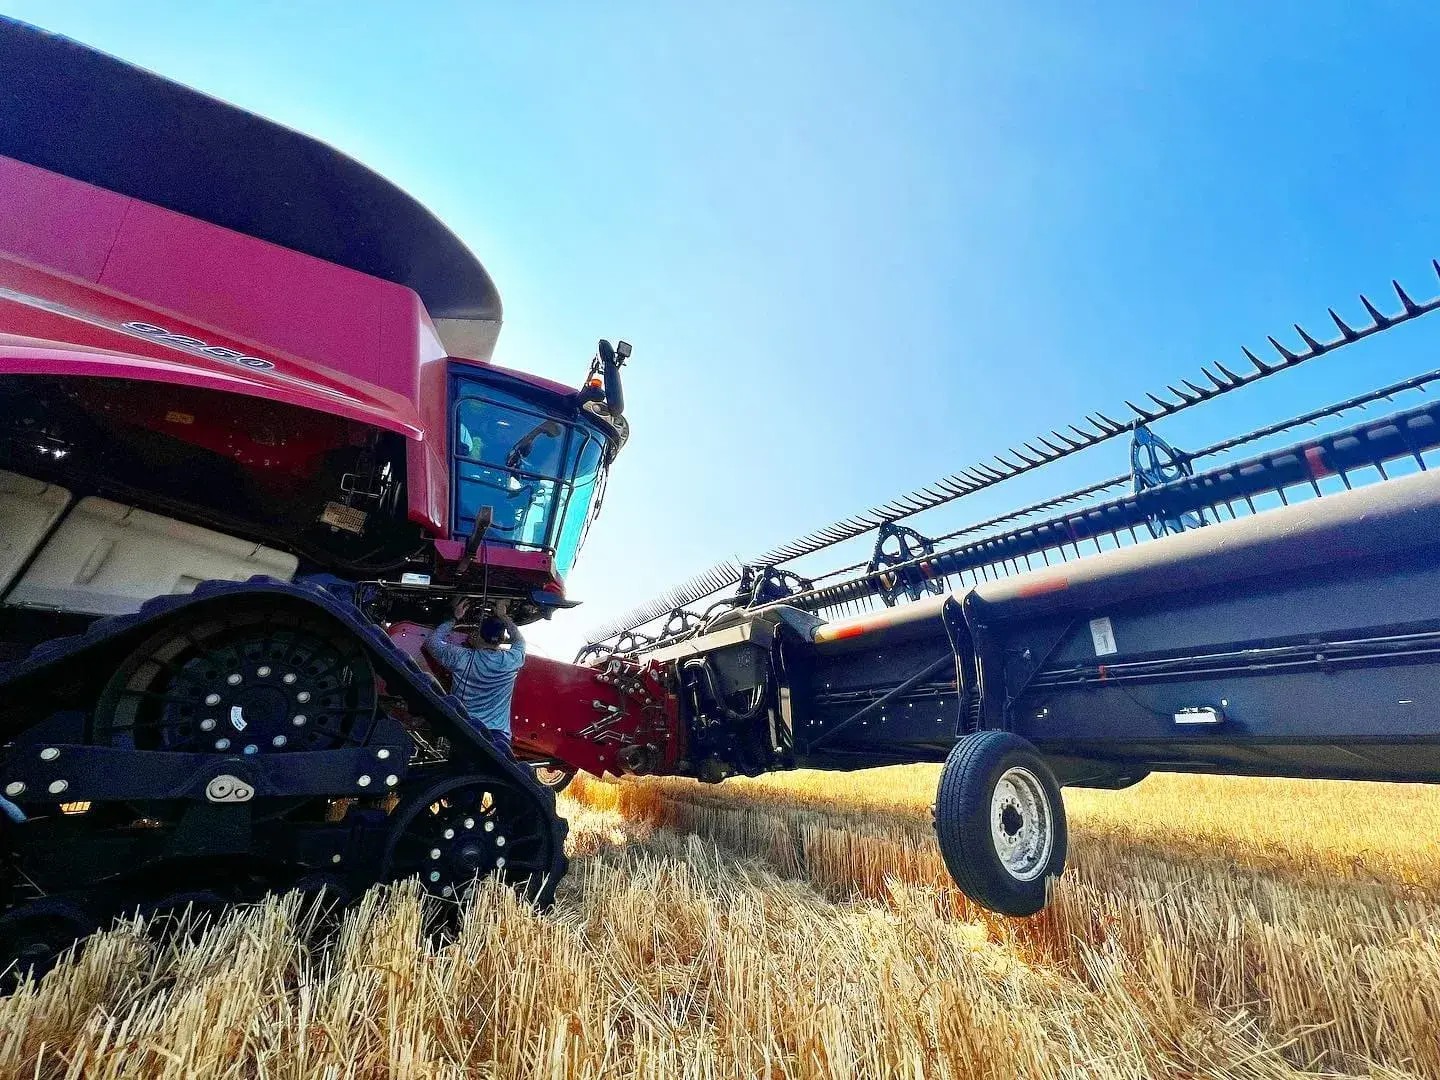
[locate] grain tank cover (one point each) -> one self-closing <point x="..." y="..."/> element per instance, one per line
<point x="86" y="115"/>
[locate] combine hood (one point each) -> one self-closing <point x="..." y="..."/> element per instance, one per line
<point x="74" y="111"/>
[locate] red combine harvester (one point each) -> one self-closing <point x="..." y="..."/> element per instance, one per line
<point x="252" y="447"/>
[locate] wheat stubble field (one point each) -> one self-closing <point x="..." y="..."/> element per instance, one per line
<point x="803" y="926"/>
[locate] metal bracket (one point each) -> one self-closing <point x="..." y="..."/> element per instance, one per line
<point x="761" y="583"/>
<point x="1154" y="463"/>
<point x="901" y="547"/>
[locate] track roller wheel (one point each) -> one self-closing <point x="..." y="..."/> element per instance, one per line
<point x="466" y="827"/>
<point x="1000" y="822"/>
<point x="33" y="936"/>
<point x="555" y="777"/>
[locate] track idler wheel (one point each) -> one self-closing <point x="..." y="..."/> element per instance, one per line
<point x="33" y="936"/>
<point x="1000" y="822"/>
<point x="468" y="827"/>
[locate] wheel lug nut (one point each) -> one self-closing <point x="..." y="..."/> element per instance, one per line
<point x="449" y="834"/>
<point x="364" y="781"/>
<point x="222" y="744"/>
<point x="207" y="724"/>
<point x="499" y="841"/>
<point x="288" y="678"/>
<point x="251" y="748"/>
<point x="58" y="786"/>
<point x="434" y="853"/>
<point x="391" y="780"/>
<point x="303" y="696"/>
<point x="233" y="679"/>
<point x="500" y="863"/>
<point x="212" y="699"/>
<point x="489" y="826"/>
<point x="15" y="787"/>
<point x="278" y="740"/>
<point x="469" y="822"/>
<point x="299" y="720"/>
<point x="434" y="875"/>
<point x="263" y="671"/>
<point x="50" y="753"/>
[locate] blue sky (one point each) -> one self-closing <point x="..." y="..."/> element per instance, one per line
<point x="859" y="246"/>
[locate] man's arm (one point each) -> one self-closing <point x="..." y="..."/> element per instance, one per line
<point x="439" y="647"/>
<point x="517" y="640"/>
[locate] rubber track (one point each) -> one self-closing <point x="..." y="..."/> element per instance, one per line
<point x="390" y="663"/>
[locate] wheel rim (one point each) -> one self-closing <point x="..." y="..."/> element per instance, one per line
<point x="466" y="828"/>
<point x="1022" y="824"/>
<point x="251" y="686"/>
<point x="553" y="777"/>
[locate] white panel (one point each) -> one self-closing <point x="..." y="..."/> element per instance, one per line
<point x="108" y="559"/>
<point x="28" y="508"/>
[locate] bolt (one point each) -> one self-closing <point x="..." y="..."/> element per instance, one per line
<point x="50" y="753"/>
<point x="207" y="724"/>
<point x="364" y="781"/>
<point x="233" y="679"/>
<point x="212" y="699"/>
<point x="263" y="671"/>
<point x="15" y="787"/>
<point x="303" y="696"/>
<point x="278" y="740"/>
<point x="299" y="720"/>
<point x="57" y="786"/>
<point x="222" y="744"/>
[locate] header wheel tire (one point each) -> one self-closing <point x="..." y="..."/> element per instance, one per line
<point x="557" y="778"/>
<point x="1000" y="822"/>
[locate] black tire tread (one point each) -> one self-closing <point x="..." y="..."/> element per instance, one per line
<point x="962" y="803"/>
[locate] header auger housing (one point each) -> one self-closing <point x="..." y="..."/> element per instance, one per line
<point x="1272" y="615"/>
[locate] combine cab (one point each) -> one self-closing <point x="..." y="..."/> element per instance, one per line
<point x="252" y="448"/>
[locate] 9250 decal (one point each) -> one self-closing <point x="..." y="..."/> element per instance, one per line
<point x="219" y="352"/>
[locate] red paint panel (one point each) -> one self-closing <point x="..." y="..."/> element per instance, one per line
<point x="1042" y="586"/>
<point x="57" y="222"/>
<point x="554" y="714"/>
<point x="1315" y="459"/>
<point x="330" y="315"/>
<point x="840" y="633"/>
